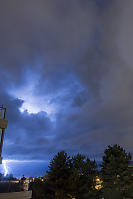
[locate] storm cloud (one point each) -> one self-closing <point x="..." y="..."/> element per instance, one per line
<point x="66" y="76"/>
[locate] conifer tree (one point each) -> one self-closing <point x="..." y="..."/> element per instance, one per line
<point x="116" y="173"/>
<point x="59" y="175"/>
<point x="84" y="173"/>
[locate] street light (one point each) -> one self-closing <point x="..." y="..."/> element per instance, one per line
<point x="3" y="126"/>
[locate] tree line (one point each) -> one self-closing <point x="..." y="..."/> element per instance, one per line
<point x="78" y="177"/>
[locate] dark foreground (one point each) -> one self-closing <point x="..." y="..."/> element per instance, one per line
<point x="16" y="195"/>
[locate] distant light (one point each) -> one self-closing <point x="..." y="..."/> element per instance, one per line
<point x="99" y="182"/>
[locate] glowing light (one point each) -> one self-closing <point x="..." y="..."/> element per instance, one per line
<point x="35" y="105"/>
<point x="5" y="167"/>
<point x="32" y="103"/>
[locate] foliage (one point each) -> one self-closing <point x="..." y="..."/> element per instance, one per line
<point x="83" y="174"/>
<point x="38" y="191"/>
<point x="75" y="177"/>
<point x="59" y="175"/>
<point x="116" y="172"/>
<point x="68" y="178"/>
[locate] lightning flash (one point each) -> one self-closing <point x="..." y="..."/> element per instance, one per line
<point x="5" y="167"/>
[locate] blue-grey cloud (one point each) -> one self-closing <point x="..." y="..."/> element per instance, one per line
<point x="69" y="64"/>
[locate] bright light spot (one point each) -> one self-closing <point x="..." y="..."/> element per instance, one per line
<point x="5" y="167"/>
<point x="33" y="103"/>
<point x="36" y="105"/>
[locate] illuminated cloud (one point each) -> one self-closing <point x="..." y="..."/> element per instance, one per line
<point x="66" y="76"/>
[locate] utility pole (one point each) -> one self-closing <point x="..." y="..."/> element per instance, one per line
<point x="3" y="126"/>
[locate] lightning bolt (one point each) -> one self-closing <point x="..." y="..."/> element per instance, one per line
<point x="5" y="167"/>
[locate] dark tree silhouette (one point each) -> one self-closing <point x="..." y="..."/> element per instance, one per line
<point x="116" y="173"/>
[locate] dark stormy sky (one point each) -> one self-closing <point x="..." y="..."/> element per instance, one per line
<point x="66" y="77"/>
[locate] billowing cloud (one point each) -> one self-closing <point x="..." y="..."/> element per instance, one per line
<point x="66" y="76"/>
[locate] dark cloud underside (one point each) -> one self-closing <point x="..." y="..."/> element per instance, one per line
<point x="70" y="62"/>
